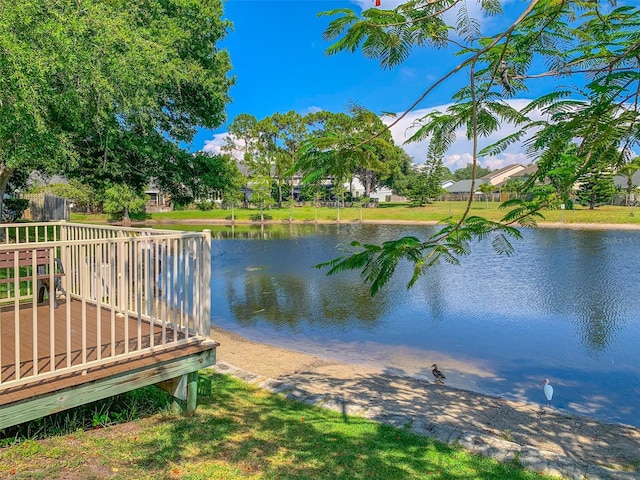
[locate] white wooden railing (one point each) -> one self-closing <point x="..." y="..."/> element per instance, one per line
<point x="160" y="278"/>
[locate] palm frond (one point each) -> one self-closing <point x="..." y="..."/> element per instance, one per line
<point x="501" y="245"/>
<point x="545" y="100"/>
<point x="501" y="145"/>
<point x="339" y="25"/>
<point x="467" y="26"/>
<point x="491" y="7"/>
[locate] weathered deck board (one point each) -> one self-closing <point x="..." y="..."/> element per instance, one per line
<point x="112" y="339"/>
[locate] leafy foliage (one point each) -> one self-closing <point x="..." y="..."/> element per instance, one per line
<point x="122" y="200"/>
<point x="427" y="184"/>
<point x="579" y="131"/>
<point x="467" y="172"/>
<point x="596" y="187"/>
<point x="628" y="170"/>
<point x="106" y="92"/>
<point x="13" y="209"/>
<point x="200" y="177"/>
<point x="378" y="263"/>
<point x="83" y="196"/>
<point x="350" y="145"/>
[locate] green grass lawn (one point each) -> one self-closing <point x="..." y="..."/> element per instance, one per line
<point x="390" y="212"/>
<point x="243" y="432"/>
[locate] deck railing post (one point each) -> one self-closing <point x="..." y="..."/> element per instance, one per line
<point x="109" y="274"/>
<point x="205" y="293"/>
<point x="121" y="278"/>
<point x="64" y="256"/>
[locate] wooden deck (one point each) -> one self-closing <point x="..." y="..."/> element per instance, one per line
<point x="134" y="310"/>
<point x="74" y="342"/>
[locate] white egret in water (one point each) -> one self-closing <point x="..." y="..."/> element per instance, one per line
<point x="547" y="389"/>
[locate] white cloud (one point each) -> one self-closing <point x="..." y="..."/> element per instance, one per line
<point x="215" y="144"/>
<point x="311" y="109"/>
<point x="506" y="158"/>
<point x="456" y="160"/>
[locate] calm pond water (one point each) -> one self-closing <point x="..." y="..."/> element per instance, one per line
<point x="565" y="306"/>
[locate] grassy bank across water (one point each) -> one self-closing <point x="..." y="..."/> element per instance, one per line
<point x="390" y="213"/>
<point x="243" y="432"/>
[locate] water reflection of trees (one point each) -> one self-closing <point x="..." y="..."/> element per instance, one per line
<point x="261" y="231"/>
<point x="598" y="302"/>
<point x="572" y="274"/>
<point x="343" y="301"/>
<point x="259" y="295"/>
<point x="568" y="274"/>
<point x="293" y="300"/>
<point x="431" y="291"/>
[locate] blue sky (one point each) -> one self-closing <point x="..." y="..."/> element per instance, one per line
<point x="279" y="62"/>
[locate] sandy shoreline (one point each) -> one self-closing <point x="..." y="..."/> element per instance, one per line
<point x="580" y="440"/>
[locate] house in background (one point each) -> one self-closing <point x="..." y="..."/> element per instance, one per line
<point x="447" y="183"/>
<point x="622" y="183"/>
<point x="157" y="201"/>
<point x="460" y="189"/>
<point x="381" y="194"/>
<point x="500" y="177"/>
<point x="528" y="171"/>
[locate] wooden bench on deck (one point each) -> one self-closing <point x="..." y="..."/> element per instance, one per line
<point x="22" y="268"/>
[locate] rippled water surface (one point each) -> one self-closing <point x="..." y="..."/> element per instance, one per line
<point x="565" y="306"/>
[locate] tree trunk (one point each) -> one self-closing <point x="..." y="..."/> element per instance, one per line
<point x="5" y="175"/>
<point x="125" y="219"/>
<point x="292" y="190"/>
<point x="367" y="183"/>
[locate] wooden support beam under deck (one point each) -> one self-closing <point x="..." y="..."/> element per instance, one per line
<point x="98" y="385"/>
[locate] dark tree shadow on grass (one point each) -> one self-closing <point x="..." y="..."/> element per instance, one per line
<point x="253" y="432"/>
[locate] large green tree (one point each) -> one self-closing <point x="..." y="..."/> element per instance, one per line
<point x="104" y="91"/>
<point x="596" y="187"/>
<point x="291" y="132"/>
<point x="628" y="170"/>
<point x="201" y="176"/>
<point x="467" y="172"/>
<point x="245" y="142"/>
<point x="278" y="139"/>
<point x="242" y="140"/>
<point x="426" y="183"/>
<point x="122" y="199"/>
<point x="586" y="51"/>
<point x="381" y="162"/>
<point x="347" y="145"/>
